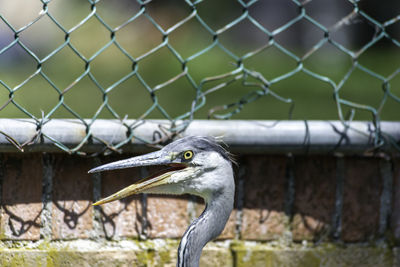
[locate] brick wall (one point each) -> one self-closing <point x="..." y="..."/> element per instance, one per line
<point x="287" y="200"/>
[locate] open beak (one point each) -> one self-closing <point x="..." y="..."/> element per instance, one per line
<point x="151" y="159"/>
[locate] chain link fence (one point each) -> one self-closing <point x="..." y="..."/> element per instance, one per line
<point x="184" y="60"/>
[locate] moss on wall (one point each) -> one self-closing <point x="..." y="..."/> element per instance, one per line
<point x="163" y="253"/>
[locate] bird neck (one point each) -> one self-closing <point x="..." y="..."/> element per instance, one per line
<point x="205" y="228"/>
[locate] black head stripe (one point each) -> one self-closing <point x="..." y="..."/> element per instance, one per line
<point x="198" y="144"/>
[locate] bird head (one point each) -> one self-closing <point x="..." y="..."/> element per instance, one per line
<point x="195" y="165"/>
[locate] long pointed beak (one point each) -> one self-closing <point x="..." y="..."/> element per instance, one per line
<point x="151" y="159"/>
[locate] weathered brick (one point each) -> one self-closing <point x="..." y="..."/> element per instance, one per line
<point x="122" y="218"/>
<point x="167" y="216"/>
<point x="264" y="195"/>
<point x="72" y="198"/>
<point x="361" y="199"/>
<point x="395" y="223"/>
<point x="314" y="205"/>
<point x="21" y="196"/>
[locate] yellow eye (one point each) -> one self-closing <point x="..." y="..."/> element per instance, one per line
<point x="188" y="154"/>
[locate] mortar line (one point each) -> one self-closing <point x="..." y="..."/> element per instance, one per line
<point x="338" y="212"/>
<point x="143" y="200"/>
<point x="48" y="162"/>
<point x="2" y="170"/>
<point x="240" y="200"/>
<point x="289" y="199"/>
<point x="385" y="167"/>
<point x="290" y="190"/>
<point x="96" y="219"/>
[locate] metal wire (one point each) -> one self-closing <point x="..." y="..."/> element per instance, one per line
<point x="256" y="82"/>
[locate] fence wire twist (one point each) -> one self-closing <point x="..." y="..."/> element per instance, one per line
<point x="256" y="82"/>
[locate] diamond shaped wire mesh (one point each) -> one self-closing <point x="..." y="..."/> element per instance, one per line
<point x="186" y="59"/>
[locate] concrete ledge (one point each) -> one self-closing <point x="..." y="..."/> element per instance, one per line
<point x="163" y="253"/>
<point x="324" y="255"/>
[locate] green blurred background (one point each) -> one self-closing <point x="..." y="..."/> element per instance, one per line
<point x="313" y="99"/>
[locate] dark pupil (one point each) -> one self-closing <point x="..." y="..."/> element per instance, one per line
<point x="187" y="155"/>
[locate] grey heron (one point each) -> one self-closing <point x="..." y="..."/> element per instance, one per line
<point x="196" y="165"/>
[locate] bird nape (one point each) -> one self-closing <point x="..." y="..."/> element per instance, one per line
<point x="195" y="165"/>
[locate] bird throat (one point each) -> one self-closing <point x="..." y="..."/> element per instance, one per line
<point x="203" y="229"/>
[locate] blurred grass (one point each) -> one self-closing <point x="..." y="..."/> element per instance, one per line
<point x="313" y="98"/>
